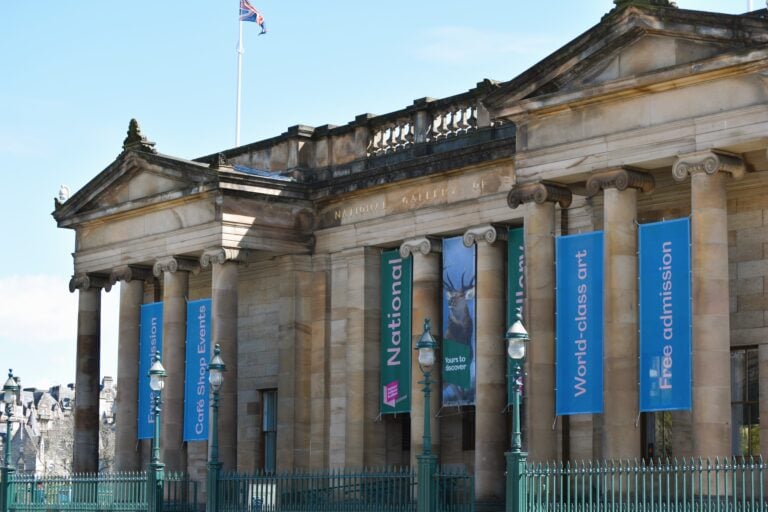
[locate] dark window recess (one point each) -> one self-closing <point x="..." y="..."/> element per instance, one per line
<point x="405" y="424"/>
<point x="468" y="429"/>
<point x="269" y="429"/>
<point x="745" y="402"/>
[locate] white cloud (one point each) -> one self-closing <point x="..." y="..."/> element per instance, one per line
<point x="457" y="45"/>
<point x="38" y="329"/>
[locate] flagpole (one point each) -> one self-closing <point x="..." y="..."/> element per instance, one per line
<point x="240" y="52"/>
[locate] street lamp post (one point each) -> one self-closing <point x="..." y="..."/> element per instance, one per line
<point x="156" y="468"/>
<point x="216" y="369"/>
<point x="517" y="338"/>
<point x="10" y="389"/>
<point x="427" y="462"/>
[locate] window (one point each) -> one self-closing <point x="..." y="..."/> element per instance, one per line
<point x="745" y="409"/>
<point x="657" y="435"/>
<point x="468" y="428"/>
<point x="269" y="429"/>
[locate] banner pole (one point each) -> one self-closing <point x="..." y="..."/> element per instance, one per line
<point x="240" y="52"/>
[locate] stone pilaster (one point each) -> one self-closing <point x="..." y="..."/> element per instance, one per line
<point x="85" y="458"/>
<point x="319" y="400"/>
<point x="127" y="453"/>
<point x="426" y="304"/>
<point x="490" y="361"/>
<point x="224" y="332"/>
<point x="620" y="435"/>
<point x="542" y="440"/>
<point x="175" y="275"/>
<point x="711" y="413"/>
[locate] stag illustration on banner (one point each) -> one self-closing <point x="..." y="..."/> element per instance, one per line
<point x="459" y="280"/>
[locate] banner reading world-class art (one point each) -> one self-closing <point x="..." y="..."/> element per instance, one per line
<point x="459" y="340"/>
<point x="196" y="373"/>
<point x="150" y="343"/>
<point x="665" y="315"/>
<point x="395" y="333"/>
<point x="515" y="290"/>
<point x="579" y="324"/>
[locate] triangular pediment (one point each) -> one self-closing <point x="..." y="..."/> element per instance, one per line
<point x="633" y="42"/>
<point x="135" y="180"/>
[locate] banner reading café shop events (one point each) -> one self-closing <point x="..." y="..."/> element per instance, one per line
<point x="196" y="371"/>
<point x="579" y="323"/>
<point x="150" y="343"/>
<point x="665" y="315"/>
<point x="395" y="333"/>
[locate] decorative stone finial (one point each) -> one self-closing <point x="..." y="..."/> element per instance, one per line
<point x="662" y="3"/>
<point x="135" y="140"/>
<point x="219" y="160"/>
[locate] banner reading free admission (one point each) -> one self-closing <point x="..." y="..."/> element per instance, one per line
<point x="150" y="343"/>
<point x="665" y="316"/>
<point x="515" y="291"/>
<point x="579" y="323"/>
<point x="196" y="374"/>
<point x="459" y="280"/>
<point x="395" y="333"/>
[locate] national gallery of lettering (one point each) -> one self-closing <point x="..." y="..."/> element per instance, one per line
<point x="615" y="195"/>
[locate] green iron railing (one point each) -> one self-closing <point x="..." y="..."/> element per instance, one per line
<point x="455" y="490"/>
<point x="99" y="492"/>
<point x="695" y="485"/>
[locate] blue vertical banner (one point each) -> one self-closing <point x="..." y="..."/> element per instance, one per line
<point x="579" y="324"/>
<point x="665" y="315"/>
<point x="150" y="343"/>
<point x="196" y="396"/>
<point x="459" y="280"/>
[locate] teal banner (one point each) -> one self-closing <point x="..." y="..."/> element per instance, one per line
<point x="396" y="350"/>
<point x="459" y="314"/>
<point x="515" y="290"/>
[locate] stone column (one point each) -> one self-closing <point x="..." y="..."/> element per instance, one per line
<point x="426" y="304"/>
<point x="621" y="436"/>
<point x="85" y="458"/>
<point x="541" y="438"/>
<point x="175" y="274"/>
<point x="490" y="361"/>
<point x="319" y="400"/>
<point x="711" y="319"/>
<point x="127" y="454"/>
<point x="224" y="332"/>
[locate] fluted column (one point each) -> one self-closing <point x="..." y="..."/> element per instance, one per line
<point x="621" y="438"/>
<point x="539" y="227"/>
<point x="127" y="454"/>
<point x="711" y="416"/>
<point x="175" y="275"/>
<point x="491" y="358"/>
<point x="224" y="332"/>
<point x="426" y="304"/>
<point x="85" y="458"/>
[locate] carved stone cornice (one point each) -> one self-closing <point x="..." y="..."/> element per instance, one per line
<point x="709" y="162"/>
<point x="486" y="233"/>
<point x="173" y="264"/>
<point x="222" y="255"/>
<point x="128" y="273"/>
<point x="621" y="178"/>
<point x="421" y="245"/>
<point x="85" y="282"/>
<point x="539" y="193"/>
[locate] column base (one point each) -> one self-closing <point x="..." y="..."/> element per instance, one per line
<point x="427" y="494"/>
<point x="516" y="491"/>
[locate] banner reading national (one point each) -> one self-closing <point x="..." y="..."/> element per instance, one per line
<point x="196" y="396"/>
<point x="665" y="316"/>
<point x="396" y="290"/>
<point x="150" y="343"/>
<point x="579" y="323"/>
<point x="459" y="339"/>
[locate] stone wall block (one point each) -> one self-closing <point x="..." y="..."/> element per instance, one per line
<point x="753" y="269"/>
<point x="745" y="219"/>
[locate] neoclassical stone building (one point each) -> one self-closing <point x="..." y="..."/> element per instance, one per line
<point x="655" y="113"/>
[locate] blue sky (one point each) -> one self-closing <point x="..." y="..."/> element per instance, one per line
<point x="75" y="73"/>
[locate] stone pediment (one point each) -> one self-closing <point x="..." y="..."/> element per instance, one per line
<point x="135" y="180"/>
<point x="632" y="42"/>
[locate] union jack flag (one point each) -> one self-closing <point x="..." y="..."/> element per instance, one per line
<point x="249" y="13"/>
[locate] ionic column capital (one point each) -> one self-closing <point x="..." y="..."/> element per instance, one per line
<point x="222" y="255"/>
<point x="620" y="178"/>
<point x="486" y="233"/>
<point x="85" y="282"/>
<point x="174" y="264"/>
<point x="420" y="245"/>
<point x="709" y="162"/>
<point x="128" y="273"/>
<point x="539" y="193"/>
